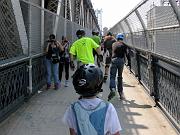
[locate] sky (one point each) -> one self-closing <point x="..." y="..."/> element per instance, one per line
<point x="114" y="10"/>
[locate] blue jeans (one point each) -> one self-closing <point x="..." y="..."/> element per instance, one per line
<point x="117" y="65"/>
<point x="54" y="71"/>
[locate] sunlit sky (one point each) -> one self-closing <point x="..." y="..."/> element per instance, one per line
<point x="114" y="10"/>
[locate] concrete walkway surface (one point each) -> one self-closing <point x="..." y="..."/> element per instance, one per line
<point x="42" y="114"/>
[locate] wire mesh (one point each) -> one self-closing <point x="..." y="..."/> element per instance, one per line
<point x="167" y="43"/>
<point x="139" y="40"/>
<point x="69" y="30"/>
<point x="35" y="30"/>
<point x="61" y="28"/>
<point x="134" y="22"/>
<point x="10" y="41"/>
<point x="161" y="28"/>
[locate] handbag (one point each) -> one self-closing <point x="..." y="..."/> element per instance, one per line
<point x="55" y="58"/>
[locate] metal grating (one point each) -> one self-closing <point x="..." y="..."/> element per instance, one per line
<point x="144" y="73"/>
<point x="38" y="73"/>
<point x="168" y="90"/>
<point x="13" y="87"/>
<point x="53" y="5"/>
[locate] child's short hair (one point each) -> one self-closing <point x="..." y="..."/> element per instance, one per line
<point x="88" y="80"/>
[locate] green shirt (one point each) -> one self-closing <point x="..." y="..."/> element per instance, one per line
<point x="96" y="39"/>
<point x="83" y="48"/>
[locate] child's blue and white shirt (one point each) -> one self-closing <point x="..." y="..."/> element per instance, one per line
<point x="94" y="116"/>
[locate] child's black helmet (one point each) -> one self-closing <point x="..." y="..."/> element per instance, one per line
<point x="88" y="80"/>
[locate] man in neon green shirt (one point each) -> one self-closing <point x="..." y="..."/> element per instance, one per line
<point x="82" y="49"/>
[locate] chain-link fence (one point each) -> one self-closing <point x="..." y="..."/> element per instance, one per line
<point x="154" y="26"/>
<point x="39" y="23"/>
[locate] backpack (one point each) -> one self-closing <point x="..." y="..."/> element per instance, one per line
<point x="90" y="121"/>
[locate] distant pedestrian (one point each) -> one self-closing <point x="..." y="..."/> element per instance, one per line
<point x="52" y="60"/>
<point x="64" y="60"/>
<point x="91" y="115"/>
<point x="108" y="41"/>
<point x="119" y="51"/>
<point x="96" y="38"/>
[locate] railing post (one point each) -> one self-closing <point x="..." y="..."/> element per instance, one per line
<point x="42" y="26"/>
<point x="138" y="66"/>
<point x="154" y="70"/>
<point x="30" y="76"/>
<point x="151" y="74"/>
<point x="29" y="88"/>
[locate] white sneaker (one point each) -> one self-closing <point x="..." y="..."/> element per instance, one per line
<point x="66" y="83"/>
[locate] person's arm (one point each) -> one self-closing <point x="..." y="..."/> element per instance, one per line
<point x="72" y="131"/>
<point x="60" y="46"/>
<point x="72" y="66"/>
<point x="47" y="48"/>
<point x="70" y="120"/>
<point x="98" y="50"/>
<point x="113" y="48"/>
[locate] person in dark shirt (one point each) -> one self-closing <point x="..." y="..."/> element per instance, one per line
<point x="119" y="51"/>
<point x="108" y="41"/>
<point x="52" y="60"/>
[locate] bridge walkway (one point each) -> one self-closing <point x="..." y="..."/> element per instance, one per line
<point x="42" y="114"/>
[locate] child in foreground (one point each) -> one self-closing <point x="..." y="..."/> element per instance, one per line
<point x="91" y="115"/>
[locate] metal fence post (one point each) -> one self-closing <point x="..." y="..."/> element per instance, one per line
<point x="138" y="66"/>
<point x="29" y="53"/>
<point x="154" y="91"/>
<point x="151" y="74"/>
<point x="42" y="25"/>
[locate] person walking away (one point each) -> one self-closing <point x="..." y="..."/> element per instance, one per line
<point x="52" y="61"/>
<point x="82" y="50"/>
<point x="96" y="38"/>
<point x="90" y="115"/>
<point x="108" y="41"/>
<point x="119" y="51"/>
<point x="64" y="61"/>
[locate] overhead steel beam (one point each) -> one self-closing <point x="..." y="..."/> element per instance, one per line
<point x="175" y="8"/>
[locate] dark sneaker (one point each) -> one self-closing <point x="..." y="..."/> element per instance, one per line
<point x="57" y="86"/>
<point x="121" y="96"/>
<point x="48" y="86"/>
<point x="111" y="95"/>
